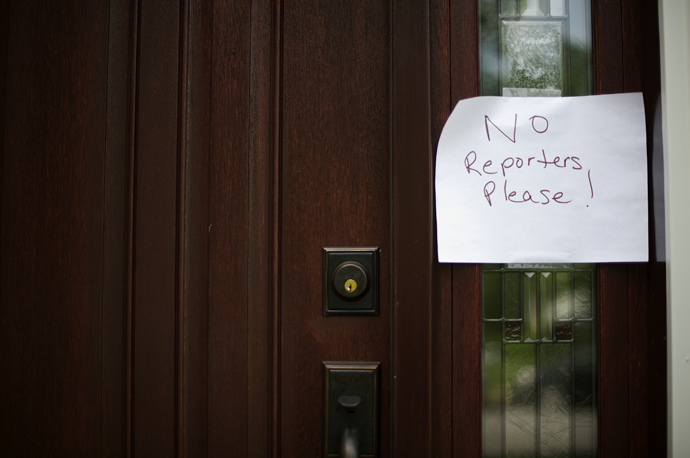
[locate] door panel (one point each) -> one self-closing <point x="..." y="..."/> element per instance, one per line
<point x="333" y="181"/>
<point x="51" y="251"/>
<point x="171" y="301"/>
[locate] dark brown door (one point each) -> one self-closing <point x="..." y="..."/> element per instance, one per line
<point x="170" y="174"/>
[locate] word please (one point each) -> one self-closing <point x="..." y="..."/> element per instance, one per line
<point x="544" y="196"/>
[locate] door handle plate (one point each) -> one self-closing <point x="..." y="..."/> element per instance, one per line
<point x="351" y="402"/>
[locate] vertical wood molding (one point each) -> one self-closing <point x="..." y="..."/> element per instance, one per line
<point x="195" y="132"/>
<point x="467" y="278"/>
<point x="412" y="225"/>
<point x="181" y="232"/>
<point x="130" y="167"/>
<point x="276" y="78"/>
<point x="262" y="229"/>
<point x="154" y="319"/>
<point x="443" y="328"/>
<point x="612" y="279"/>
<point x="117" y="229"/>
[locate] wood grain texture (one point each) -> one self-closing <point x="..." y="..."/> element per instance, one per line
<point x="154" y="304"/>
<point x="4" y="39"/>
<point x="638" y="366"/>
<point x="467" y="331"/>
<point x="51" y="251"/>
<point x="195" y="133"/>
<point x="643" y="37"/>
<point x="117" y="211"/>
<point x="334" y="182"/>
<point x="131" y="148"/>
<point x="613" y="363"/>
<point x="607" y="31"/>
<point x="464" y="63"/>
<point x="442" y="307"/>
<point x="228" y="216"/>
<point x="262" y="227"/>
<point x="612" y="279"/>
<point x="412" y="219"/>
<point x="275" y="338"/>
<point x="467" y="360"/>
<point x="181" y="304"/>
<point x="638" y="275"/>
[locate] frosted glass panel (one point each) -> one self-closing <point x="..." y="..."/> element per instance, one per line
<point x="521" y="400"/>
<point x="532" y="58"/>
<point x="535" y="47"/>
<point x="556" y="406"/>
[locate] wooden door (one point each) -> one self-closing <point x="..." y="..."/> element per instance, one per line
<point x="170" y="174"/>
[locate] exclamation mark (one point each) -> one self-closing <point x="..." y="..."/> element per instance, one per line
<point x="591" y="188"/>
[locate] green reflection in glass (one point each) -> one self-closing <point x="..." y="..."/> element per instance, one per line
<point x="539" y="377"/>
<point x="508" y="7"/>
<point x="512" y="294"/>
<point x="492" y="295"/>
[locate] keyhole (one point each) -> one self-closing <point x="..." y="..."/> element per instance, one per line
<point x="350" y="285"/>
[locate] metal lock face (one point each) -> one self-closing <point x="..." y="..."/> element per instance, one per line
<point x="350" y="281"/>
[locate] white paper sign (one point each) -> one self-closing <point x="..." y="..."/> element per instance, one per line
<point x="552" y="179"/>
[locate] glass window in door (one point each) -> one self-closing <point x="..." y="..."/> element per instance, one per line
<point x="539" y="365"/>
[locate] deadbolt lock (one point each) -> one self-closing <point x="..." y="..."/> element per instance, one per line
<point x="350" y="281"/>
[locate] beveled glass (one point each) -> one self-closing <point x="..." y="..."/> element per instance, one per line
<point x="539" y="364"/>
